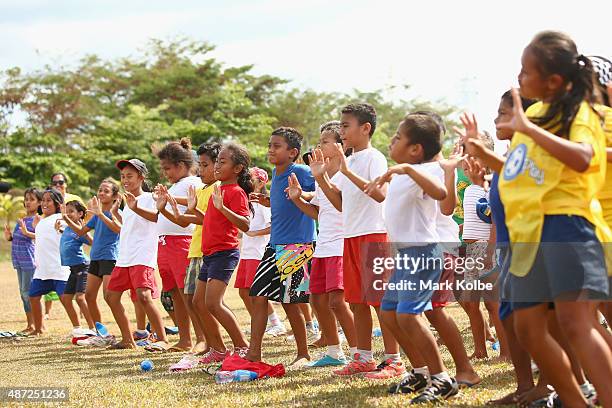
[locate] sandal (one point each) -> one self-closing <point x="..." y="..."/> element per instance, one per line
<point x="157" y="347"/>
<point x="176" y="349"/>
<point x="188" y="362"/>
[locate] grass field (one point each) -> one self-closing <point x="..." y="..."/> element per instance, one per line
<point x="103" y="378"/>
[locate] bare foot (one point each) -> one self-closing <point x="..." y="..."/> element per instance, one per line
<point x="533" y="394"/>
<point x="467" y="377"/>
<point x="509" y="399"/>
<point x="319" y="343"/>
<point x="37" y="332"/>
<point x="253" y="357"/>
<point x="502" y="358"/>
<point x="182" y="346"/>
<point x="27" y="330"/>
<point x="200" y="347"/>
<point x="298" y="358"/>
<point x="479" y="355"/>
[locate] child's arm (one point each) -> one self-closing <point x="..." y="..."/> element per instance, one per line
<point x="259" y="233"/>
<point x="319" y="172"/>
<point x="183" y="220"/>
<point x="490" y="261"/>
<point x="447" y="206"/>
<point x="181" y="200"/>
<point x="8" y="234"/>
<point x="575" y="155"/>
<point x="112" y="223"/>
<point x="192" y="202"/>
<point x="295" y="193"/>
<point x="428" y="183"/>
<point x="89" y="239"/>
<point x="474" y="145"/>
<point x="79" y="229"/>
<point x="147" y="214"/>
<point x="239" y="221"/>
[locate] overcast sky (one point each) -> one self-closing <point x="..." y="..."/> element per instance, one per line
<point x="467" y="53"/>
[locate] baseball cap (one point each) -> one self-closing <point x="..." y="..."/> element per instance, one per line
<point x="137" y="164"/>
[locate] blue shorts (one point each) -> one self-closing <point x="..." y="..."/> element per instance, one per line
<point x="41" y="287"/>
<point x="570" y="262"/>
<point x="411" y="288"/>
<point x="220" y="265"/>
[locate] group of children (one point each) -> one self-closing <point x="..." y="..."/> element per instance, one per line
<point x="524" y="233"/>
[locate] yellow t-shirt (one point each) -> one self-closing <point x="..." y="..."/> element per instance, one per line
<point x="533" y="184"/>
<point x="203" y="195"/>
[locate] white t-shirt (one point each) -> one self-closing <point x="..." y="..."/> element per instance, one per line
<point x="473" y="226"/>
<point x="138" y="237"/>
<point x="47" y="251"/>
<point x="254" y="247"/>
<point x="330" y="240"/>
<point x="410" y="214"/>
<point x="448" y="230"/>
<point x="361" y="214"/>
<point x="178" y="189"/>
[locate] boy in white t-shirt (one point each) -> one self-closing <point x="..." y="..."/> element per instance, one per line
<point x="49" y="275"/>
<point x="364" y="227"/>
<point x="411" y="210"/>
<point x="326" y="272"/>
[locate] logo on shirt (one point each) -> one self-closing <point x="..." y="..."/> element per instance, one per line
<point x="518" y="162"/>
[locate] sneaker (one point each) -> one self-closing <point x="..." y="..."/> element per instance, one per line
<point x="356" y="367"/>
<point x="97" y="341"/>
<point x="391" y="370"/>
<point x="140" y="335"/>
<point x="438" y="391"/>
<point x="383" y="364"/>
<point x="327" y="361"/>
<point x="276" y="330"/>
<point x="412" y="382"/>
<point x="80" y="332"/>
<point x="241" y="351"/>
<point x="554" y="401"/>
<point x="213" y="356"/>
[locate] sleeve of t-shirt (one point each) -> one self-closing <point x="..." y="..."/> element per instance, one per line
<point x="582" y="131"/>
<point x="238" y="202"/>
<point x="315" y="198"/>
<point x="267" y="215"/>
<point x="305" y="178"/>
<point x="146" y="202"/>
<point x="378" y="166"/>
<point x="91" y="224"/>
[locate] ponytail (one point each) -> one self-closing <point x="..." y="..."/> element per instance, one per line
<point x="239" y="155"/>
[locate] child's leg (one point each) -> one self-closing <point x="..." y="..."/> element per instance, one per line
<point x="91" y="296"/>
<point x="198" y="326"/>
<point x="477" y="325"/>
<point x="575" y="319"/>
<point x="210" y="324"/>
<point x="306" y="312"/>
<point x="531" y="327"/>
<point x="389" y="318"/>
<point x="344" y="315"/>
<point x="327" y="320"/>
<point x="363" y="325"/>
<point x="298" y="325"/>
<point x="48" y="307"/>
<point x="258" y="327"/>
<point x="215" y="289"/>
<point x="423" y="340"/>
<point x="246" y="299"/>
<point x="181" y="317"/>
<point x="520" y="358"/>
<point x="80" y="299"/>
<point x="145" y="299"/>
<point x="24" y="278"/>
<point x="37" y="314"/>
<point x="493" y="309"/>
<point x="449" y="333"/>
<point x="389" y="341"/>
<point x="66" y="300"/>
<point x="113" y="299"/>
<point x="141" y="315"/>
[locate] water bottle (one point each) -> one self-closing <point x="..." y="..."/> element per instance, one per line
<point x="495" y="346"/>
<point x="225" y="377"/>
<point x="377" y="332"/>
<point x="101" y="329"/>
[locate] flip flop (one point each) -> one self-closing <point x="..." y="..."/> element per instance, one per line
<point x="119" y="346"/>
<point x="157" y="347"/>
<point x="467" y="384"/>
<point x="188" y="362"/>
<point x="7" y="334"/>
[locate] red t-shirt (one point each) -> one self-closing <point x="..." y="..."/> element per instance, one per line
<point x="218" y="233"/>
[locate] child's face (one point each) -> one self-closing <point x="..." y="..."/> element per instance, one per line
<point x="31" y="203"/>
<point x="279" y="152"/>
<point x="351" y="132"/>
<point x="327" y="144"/>
<point x="533" y="84"/>
<point x="105" y="193"/>
<point x="207" y="169"/>
<point x="504" y="115"/>
<point x="48" y="206"/>
<point x="401" y="150"/>
<point x="173" y="172"/>
<point x="225" y="169"/>
<point x="73" y="214"/>
<point x="257" y="184"/>
<point x="131" y="179"/>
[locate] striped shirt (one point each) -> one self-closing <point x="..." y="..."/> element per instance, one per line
<point x="473" y="226"/>
<point x="22" y="248"/>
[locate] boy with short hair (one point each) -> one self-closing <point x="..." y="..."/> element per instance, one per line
<point x="415" y="184"/>
<point x="282" y="273"/>
<point x="363" y="225"/>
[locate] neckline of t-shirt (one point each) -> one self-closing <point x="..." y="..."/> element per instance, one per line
<point x="361" y="152"/>
<point x="290" y="167"/>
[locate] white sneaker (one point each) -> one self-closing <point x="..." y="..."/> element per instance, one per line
<point x="97" y="341"/>
<point x="276" y="330"/>
<point x="80" y="332"/>
<point x="312" y="335"/>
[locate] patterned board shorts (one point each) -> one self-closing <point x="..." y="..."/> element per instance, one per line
<point x="283" y="273"/>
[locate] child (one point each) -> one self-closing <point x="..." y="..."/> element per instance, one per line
<point x="49" y="275"/>
<point x="106" y="223"/>
<point x="364" y="225"/>
<point x="135" y="267"/>
<point x="282" y="274"/>
<point x="410" y="214"/>
<point x="254" y="243"/>
<point x="227" y="213"/>
<point x="326" y="283"/>
<point x="561" y="138"/>
<point x="176" y="161"/>
<point x="22" y="250"/>
<point x="72" y="255"/>
<point x="207" y="156"/>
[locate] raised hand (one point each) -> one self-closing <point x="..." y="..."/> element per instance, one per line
<point x="192" y="199"/>
<point x="94" y="206"/>
<point x="174" y="206"/>
<point x="475" y="171"/>
<point x="115" y="206"/>
<point x="317" y="163"/>
<point x="454" y="159"/>
<point x="520" y="122"/>
<point x="22" y="226"/>
<point x="374" y="186"/>
<point x="294" y="190"/>
<point x="217" y="197"/>
<point x="470" y="124"/>
<point x="7" y="232"/>
<point x="130" y="200"/>
<point x="343" y="163"/>
<point x="58" y="225"/>
<point x="63" y="210"/>
<point x="162" y="197"/>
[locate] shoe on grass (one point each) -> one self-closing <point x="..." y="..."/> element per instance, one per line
<point x="357" y="367"/>
<point x="327" y="361"/>
<point x="439" y="391"/>
<point x="411" y="382"/>
<point x="391" y="369"/>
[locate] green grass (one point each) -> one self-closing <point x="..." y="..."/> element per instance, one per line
<point x="113" y="378"/>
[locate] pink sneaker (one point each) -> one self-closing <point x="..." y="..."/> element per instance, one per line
<point x="391" y="370"/>
<point x="213" y="356"/>
<point x="241" y="351"/>
<point x="356" y="367"/>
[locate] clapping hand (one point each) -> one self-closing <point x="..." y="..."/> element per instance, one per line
<point x="217" y="197"/>
<point x="520" y="122"/>
<point x="294" y="190"/>
<point x="131" y="201"/>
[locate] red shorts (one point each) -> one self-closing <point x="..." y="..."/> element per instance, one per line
<point x="246" y="273"/>
<point x="443" y="297"/>
<point x="172" y="261"/>
<point x="133" y="277"/>
<point x="326" y="275"/>
<point x="359" y="276"/>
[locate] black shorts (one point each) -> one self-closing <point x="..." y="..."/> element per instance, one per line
<point x="78" y="279"/>
<point x="101" y="268"/>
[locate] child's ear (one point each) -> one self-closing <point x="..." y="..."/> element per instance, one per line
<point x="367" y="127"/>
<point x="555" y="82"/>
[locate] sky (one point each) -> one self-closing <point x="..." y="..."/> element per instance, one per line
<point x="465" y="53"/>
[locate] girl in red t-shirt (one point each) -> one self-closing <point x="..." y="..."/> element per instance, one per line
<point x="228" y="211"/>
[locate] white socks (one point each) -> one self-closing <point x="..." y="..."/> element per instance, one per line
<point x="395" y="358"/>
<point x="335" y="352"/>
<point x="365" y="355"/>
<point x="273" y="319"/>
